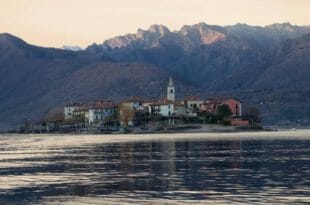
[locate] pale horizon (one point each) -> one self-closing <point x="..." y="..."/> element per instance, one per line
<point x="81" y="23"/>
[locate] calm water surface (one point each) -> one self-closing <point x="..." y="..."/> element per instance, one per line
<point x="87" y="170"/>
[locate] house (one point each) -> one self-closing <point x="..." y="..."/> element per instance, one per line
<point x="179" y="109"/>
<point x="80" y="112"/>
<point x="128" y="108"/>
<point x="193" y="102"/>
<point x="100" y="112"/>
<point x="70" y="108"/>
<point x="135" y="103"/>
<point x="209" y="105"/>
<point x="234" y="104"/>
<point x="162" y="107"/>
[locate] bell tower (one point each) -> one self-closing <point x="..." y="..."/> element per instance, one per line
<point x="170" y="91"/>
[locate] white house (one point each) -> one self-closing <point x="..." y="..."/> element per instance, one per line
<point x="179" y="109"/>
<point x="193" y="102"/>
<point x="162" y="107"/>
<point x="99" y="113"/>
<point x="69" y="110"/>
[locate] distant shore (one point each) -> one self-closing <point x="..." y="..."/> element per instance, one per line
<point x="186" y="128"/>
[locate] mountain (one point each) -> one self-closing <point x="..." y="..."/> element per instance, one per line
<point x="201" y="53"/>
<point x="267" y="67"/>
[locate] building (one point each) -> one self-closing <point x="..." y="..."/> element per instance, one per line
<point x="127" y="109"/>
<point x="234" y="105"/>
<point x="171" y="91"/>
<point x="162" y="107"/>
<point x="179" y="109"/>
<point x="166" y="107"/>
<point x="193" y="102"/>
<point x="99" y="113"/>
<point x="135" y="103"/>
<point x="69" y="110"/>
<point x="209" y="105"/>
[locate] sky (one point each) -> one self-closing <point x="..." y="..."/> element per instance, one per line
<point x="54" y="23"/>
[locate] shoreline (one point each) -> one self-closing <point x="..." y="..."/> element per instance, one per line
<point x="80" y="139"/>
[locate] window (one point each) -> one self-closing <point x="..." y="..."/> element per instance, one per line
<point x="171" y="91"/>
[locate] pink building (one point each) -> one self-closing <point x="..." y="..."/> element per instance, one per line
<point x="210" y="105"/>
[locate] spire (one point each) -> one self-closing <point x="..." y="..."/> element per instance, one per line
<point x="170" y="82"/>
<point x="170" y="91"/>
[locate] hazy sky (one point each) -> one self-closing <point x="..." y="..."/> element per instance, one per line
<point x="82" y="22"/>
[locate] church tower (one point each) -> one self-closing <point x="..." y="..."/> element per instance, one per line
<point x="170" y="91"/>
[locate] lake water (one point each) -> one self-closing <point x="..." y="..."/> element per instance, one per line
<point x="245" y="168"/>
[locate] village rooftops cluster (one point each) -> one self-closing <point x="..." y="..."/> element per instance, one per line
<point x="124" y="112"/>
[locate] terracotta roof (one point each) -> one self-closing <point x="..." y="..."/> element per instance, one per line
<point x="218" y="101"/>
<point x="178" y="104"/>
<point x="80" y="109"/>
<point x="221" y="100"/>
<point x="163" y="102"/>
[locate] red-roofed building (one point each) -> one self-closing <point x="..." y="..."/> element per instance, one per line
<point x="98" y="112"/>
<point x="235" y="105"/>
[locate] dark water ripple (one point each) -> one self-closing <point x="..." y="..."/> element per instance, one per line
<point x="204" y="171"/>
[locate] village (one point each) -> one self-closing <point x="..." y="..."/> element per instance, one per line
<point x="141" y="115"/>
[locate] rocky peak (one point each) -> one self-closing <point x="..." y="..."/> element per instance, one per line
<point x="284" y="27"/>
<point x="159" y="29"/>
<point x="203" y="33"/>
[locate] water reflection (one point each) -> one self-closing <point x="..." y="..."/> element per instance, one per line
<point x="201" y="171"/>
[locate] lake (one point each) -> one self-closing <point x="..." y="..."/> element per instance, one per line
<point x="202" y="168"/>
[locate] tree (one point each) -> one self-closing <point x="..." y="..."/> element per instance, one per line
<point x="126" y="114"/>
<point x="223" y="111"/>
<point x="141" y="118"/>
<point x="207" y="117"/>
<point x="253" y="114"/>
